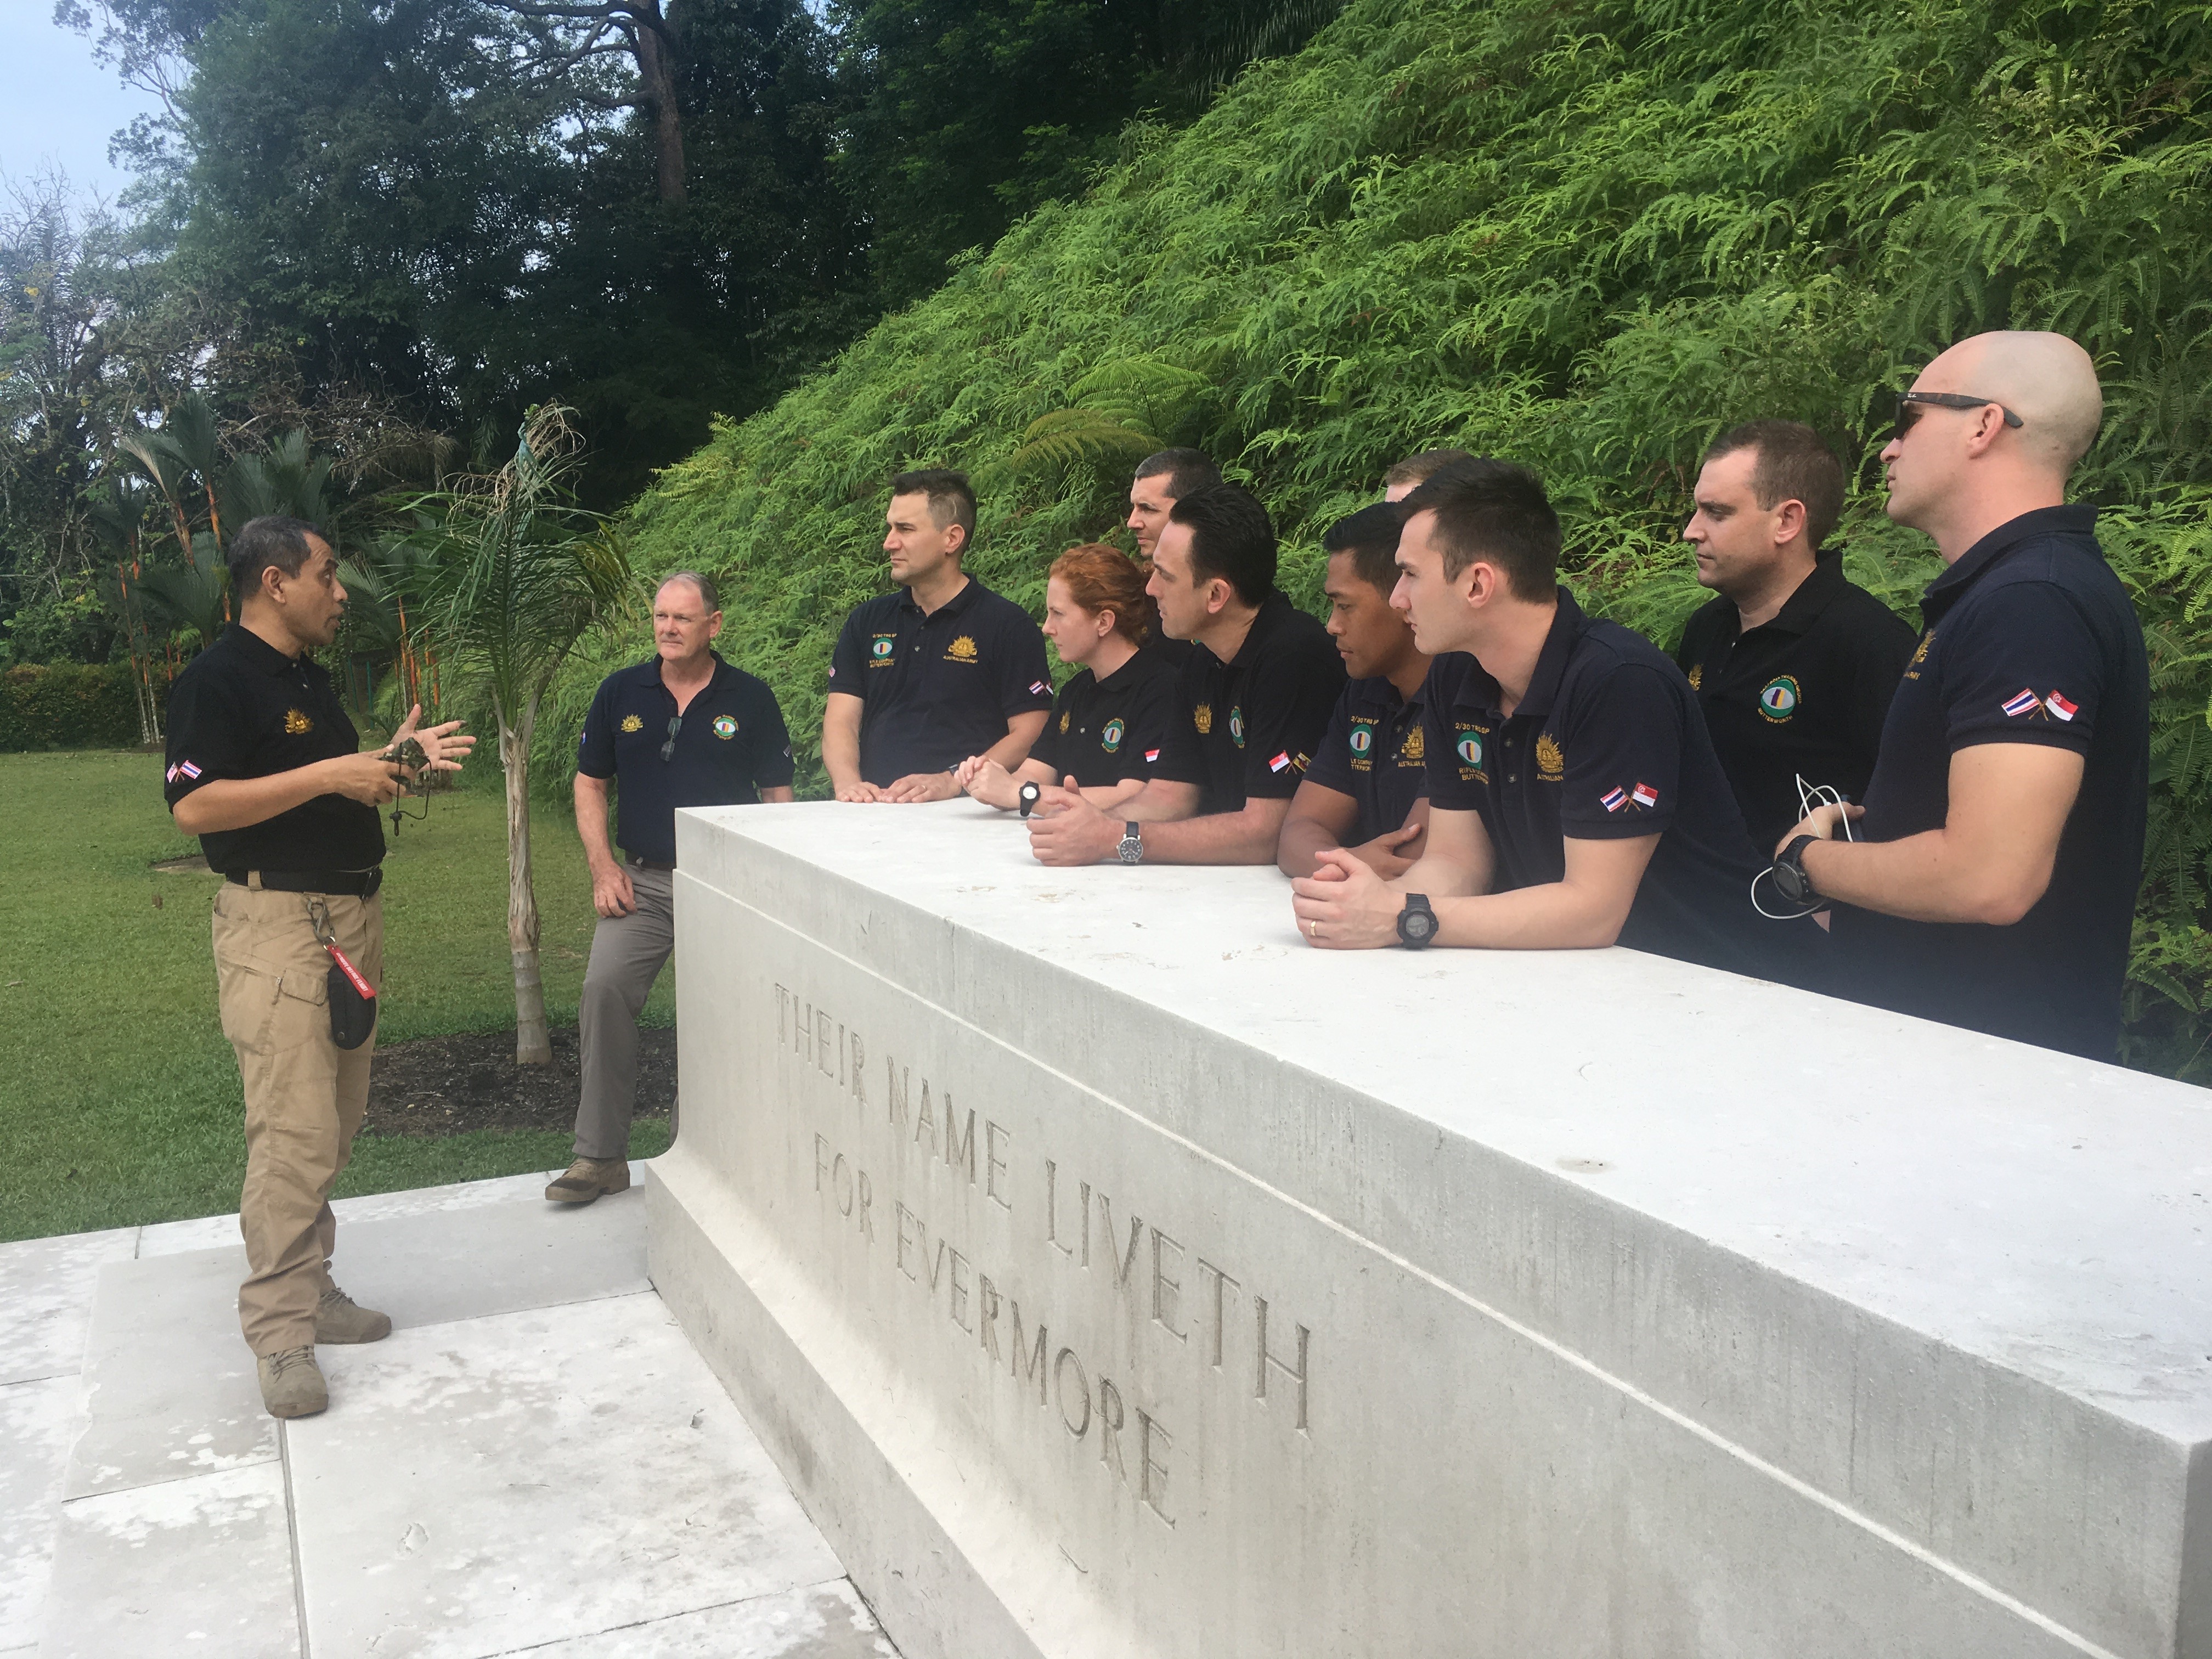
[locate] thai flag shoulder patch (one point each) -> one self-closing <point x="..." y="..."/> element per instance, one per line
<point x="2022" y="703"/>
<point x="1613" y="800"/>
<point x="1035" y="686"/>
<point x="183" y="769"/>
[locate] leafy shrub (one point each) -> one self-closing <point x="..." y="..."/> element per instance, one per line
<point x="72" y="628"/>
<point x="71" y="706"/>
<point x="1589" y="236"/>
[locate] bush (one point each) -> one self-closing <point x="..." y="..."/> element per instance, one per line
<point x="74" y="629"/>
<point x="71" y="706"/>
<point x="1586" y="236"/>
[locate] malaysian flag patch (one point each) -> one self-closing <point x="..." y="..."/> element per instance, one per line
<point x="1644" y="796"/>
<point x="2056" y="703"/>
<point x="1282" y="761"/>
<point x="2022" y="703"/>
<point x="1613" y="800"/>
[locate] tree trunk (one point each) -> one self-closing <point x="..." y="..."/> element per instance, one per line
<point x="656" y="74"/>
<point x="533" y="1044"/>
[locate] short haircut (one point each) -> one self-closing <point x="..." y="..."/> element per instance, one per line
<point x="1370" y="536"/>
<point x="1419" y="469"/>
<point x="1185" y="470"/>
<point x="709" y="595"/>
<point x="951" y="498"/>
<point x="1230" y="538"/>
<point x="1794" y="464"/>
<point x="1103" y="578"/>
<point x="1495" y="511"/>
<point x="272" y="540"/>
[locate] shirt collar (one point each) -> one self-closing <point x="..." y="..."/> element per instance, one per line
<point x="648" y="671"/>
<point x="258" y="651"/>
<point x="1265" y="621"/>
<point x="952" y="607"/>
<point x="2073" y="519"/>
<point x="1821" y="588"/>
<point x="1568" y="623"/>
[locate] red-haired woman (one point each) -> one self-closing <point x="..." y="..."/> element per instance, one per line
<point x="1108" y="722"/>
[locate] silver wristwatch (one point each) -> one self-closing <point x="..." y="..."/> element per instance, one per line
<point x="1131" y="847"/>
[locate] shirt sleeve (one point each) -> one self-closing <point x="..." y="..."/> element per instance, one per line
<point x="2027" y="672"/>
<point x="1183" y="757"/>
<point x="1622" y="755"/>
<point x="849" y="661"/>
<point x="1152" y="718"/>
<point x="1332" y="761"/>
<point x="1024" y="678"/>
<point x="772" y="763"/>
<point x="595" y="744"/>
<point x="207" y="738"/>
<point x="1290" y="702"/>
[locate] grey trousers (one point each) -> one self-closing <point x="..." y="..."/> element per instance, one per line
<point x="627" y="953"/>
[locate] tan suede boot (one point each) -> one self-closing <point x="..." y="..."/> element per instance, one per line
<point x="588" y="1177"/>
<point x="339" y="1318"/>
<point x="292" y="1383"/>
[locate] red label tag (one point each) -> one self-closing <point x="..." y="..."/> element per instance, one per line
<point x="351" y="972"/>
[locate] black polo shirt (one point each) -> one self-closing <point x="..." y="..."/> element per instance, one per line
<point x="2031" y="639"/>
<point x="1374" y="751"/>
<point x="1248" y="727"/>
<point x="1104" y="731"/>
<point x="939" y="688"/>
<point x="1608" y="744"/>
<point x="244" y="709"/>
<point x="1804" y="694"/>
<point x="731" y="746"/>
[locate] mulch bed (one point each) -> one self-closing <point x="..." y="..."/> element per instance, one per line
<point x="450" y="1086"/>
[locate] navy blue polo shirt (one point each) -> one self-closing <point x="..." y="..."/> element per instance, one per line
<point x="1606" y="745"/>
<point x="1374" y="751"/>
<point x="1248" y="727"/>
<point x="2030" y="638"/>
<point x="1104" y="731"/>
<point x="731" y="744"/>
<point x="937" y="688"/>
<point x="244" y="709"/>
<point x="1803" y="695"/>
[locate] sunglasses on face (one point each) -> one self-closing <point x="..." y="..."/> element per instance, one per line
<point x="1911" y="405"/>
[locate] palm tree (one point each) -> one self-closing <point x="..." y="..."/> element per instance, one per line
<point x="513" y="572"/>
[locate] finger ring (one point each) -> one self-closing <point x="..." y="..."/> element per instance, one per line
<point x="1313" y="930"/>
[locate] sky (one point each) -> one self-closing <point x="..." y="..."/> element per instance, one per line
<point x="57" y="106"/>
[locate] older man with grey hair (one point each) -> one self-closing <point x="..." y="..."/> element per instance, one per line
<point x="1992" y="880"/>
<point x="682" y="728"/>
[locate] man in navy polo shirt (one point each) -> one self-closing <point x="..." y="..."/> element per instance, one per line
<point x="1993" y="885"/>
<point x="1367" y="789"/>
<point x="942" y="669"/>
<point x="1575" y="799"/>
<point x="1255" y="698"/>
<point x="682" y="728"/>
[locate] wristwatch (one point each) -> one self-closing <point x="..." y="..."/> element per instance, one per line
<point x="1131" y="847"/>
<point x="1789" y="875"/>
<point x="1028" y="795"/>
<point x="1417" y="923"/>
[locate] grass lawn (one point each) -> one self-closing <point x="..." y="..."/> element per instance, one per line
<point x="119" y="1098"/>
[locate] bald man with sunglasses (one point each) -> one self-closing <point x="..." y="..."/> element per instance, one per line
<point x="1989" y="880"/>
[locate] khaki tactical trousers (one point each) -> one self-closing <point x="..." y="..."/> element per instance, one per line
<point x="305" y="1096"/>
<point x="628" y="953"/>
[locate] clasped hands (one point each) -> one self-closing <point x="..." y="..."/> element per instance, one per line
<point x="1344" y="905"/>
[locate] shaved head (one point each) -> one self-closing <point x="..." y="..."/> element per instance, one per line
<point x="2046" y="379"/>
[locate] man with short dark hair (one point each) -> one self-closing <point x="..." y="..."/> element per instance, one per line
<point x="1574" y="798"/>
<point x="1256" y="694"/>
<point x="682" y="728"/>
<point x="1161" y="480"/>
<point x="265" y="767"/>
<point x="1367" y="789"/>
<point x="1794" y="664"/>
<point x="1993" y="881"/>
<point x="940" y="671"/>
<point x="1410" y="474"/>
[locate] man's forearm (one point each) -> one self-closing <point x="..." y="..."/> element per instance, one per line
<point x="1556" y="916"/>
<point x="240" y="803"/>
<point x="592" y="821"/>
<point x="1012" y="751"/>
<point x="1243" y="837"/>
<point x="1918" y="878"/>
<point x="1301" y="841"/>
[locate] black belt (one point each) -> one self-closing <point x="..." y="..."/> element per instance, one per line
<point x="353" y="884"/>
<point x="637" y="863"/>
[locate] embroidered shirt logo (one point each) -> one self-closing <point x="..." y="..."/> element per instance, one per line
<point x="961" y="650"/>
<point x="1919" y="655"/>
<point x="1551" y="765"/>
<point x="1065" y="715"/>
<point x="1415" y="749"/>
<point x="725" y="727"/>
<point x="1470" y="748"/>
<point x="1363" y="736"/>
<point x="1777" y="698"/>
<point x="1202" y="718"/>
<point x="1696" y="677"/>
<point x="1236" y="726"/>
<point x="297" y="723"/>
<point x="632" y="723"/>
<point x="1111" y="739"/>
<point x="880" y="649"/>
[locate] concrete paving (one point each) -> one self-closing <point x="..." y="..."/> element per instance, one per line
<point x="535" y="1460"/>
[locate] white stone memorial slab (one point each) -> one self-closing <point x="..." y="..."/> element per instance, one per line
<point x="38" y="1421"/>
<point x="1113" y="1274"/>
<point x="46" y="1287"/>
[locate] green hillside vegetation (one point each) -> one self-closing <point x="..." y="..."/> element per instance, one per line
<point x="1583" y="235"/>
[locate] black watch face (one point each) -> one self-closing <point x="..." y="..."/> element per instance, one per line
<point x="1418" y="925"/>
